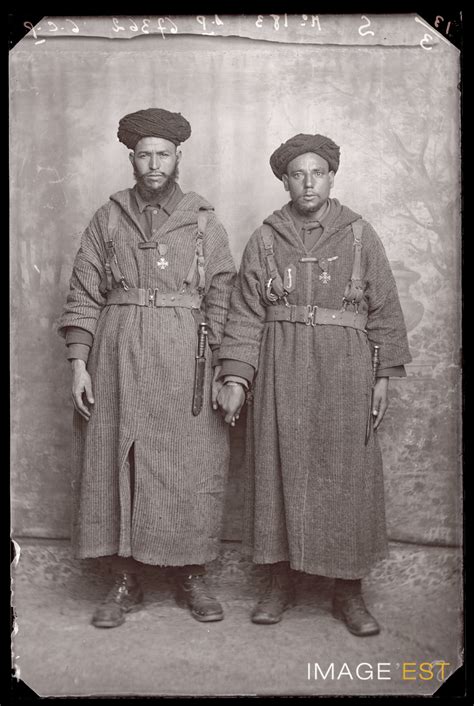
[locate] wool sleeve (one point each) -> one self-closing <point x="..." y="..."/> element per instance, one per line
<point x="85" y="299"/>
<point x="246" y="318"/>
<point x="385" y="325"/>
<point x="220" y="274"/>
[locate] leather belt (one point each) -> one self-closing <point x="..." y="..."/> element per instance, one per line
<point x="152" y="297"/>
<point x="315" y="315"/>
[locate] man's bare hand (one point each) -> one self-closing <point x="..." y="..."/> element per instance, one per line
<point x="216" y="386"/>
<point x="380" y="400"/>
<point x="230" y="399"/>
<point x="81" y="385"/>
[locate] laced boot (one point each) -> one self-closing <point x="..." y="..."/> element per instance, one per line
<point x="194" y="593"/>
<point x="348" y="605"/>
<point x="279" y="596"/>
<point x="124" y="597"/>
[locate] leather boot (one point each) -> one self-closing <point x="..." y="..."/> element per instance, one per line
<point x="124" y="597"/>
<point x="279" y="596"/>
<point x="193" y="593"/>
<point x="348" y="605"/>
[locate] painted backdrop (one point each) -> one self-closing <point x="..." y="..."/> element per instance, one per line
<point x="384" y="88"/>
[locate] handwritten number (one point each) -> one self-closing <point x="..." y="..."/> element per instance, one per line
<point x="116" y="27"/>
<point x="369" y="31"/>
<point x="426" y="38"/>
<point x="145" y="25"/>
<point x="202" y="21"/>
<point x="29" y="26"/>
<point x="259" y="21"/>
<point x="276" y="21"/>
<point x="161" y="27"/>
<point x="54" y="26"/>
<point x="74" y="28"/>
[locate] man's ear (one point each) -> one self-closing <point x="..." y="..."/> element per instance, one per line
<point x="284" y="178"/>
<point x="131" y="156"/>
<point x="178" y="156"/>
<point x="331" y="178"/>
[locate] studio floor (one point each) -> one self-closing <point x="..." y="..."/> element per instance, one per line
<point x="416" y="595"/>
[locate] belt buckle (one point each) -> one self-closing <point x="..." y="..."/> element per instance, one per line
<point x="151" y="296"/>
<point x="311" y="315"/>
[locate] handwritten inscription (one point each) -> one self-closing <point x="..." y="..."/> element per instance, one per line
<point x="211" y="25"/>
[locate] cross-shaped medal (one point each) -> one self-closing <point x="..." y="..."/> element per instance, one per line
<point x="325" y="277"/>
<point x="162" y="262"/>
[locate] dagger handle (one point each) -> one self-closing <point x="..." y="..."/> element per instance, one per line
<point x="202" y="340"/>
<point x="375" y="362"/>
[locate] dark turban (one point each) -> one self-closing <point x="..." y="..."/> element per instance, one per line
<point x="153" y="122"/>
<point x="300" y="144"/>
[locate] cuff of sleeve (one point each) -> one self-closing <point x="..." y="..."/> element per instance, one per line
<point x="78" y="350"/>
<point x="396" y="371"/>
<point x="215" y="357"/>
<point x="74" y="334"/>
<point x="237" y="368"/>
<point x="236" y="378"/>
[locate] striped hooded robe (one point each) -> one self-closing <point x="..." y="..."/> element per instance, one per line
<point x="314" y="491"/>
<point x="142" y="369"/>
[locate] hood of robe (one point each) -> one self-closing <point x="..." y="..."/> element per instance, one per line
<point x="338" y="218"/>
<point x="184" y="214"/>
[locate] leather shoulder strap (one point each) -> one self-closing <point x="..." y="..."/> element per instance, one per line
<point x="202" y="221"/>
<point x="357" y="228"/>
<point x="354" y="291"/>
<point x="198" y="259"/>
<point x="267" y="236"/>
<point x="275" y="281"/>
<point x="113" y="219"/>
<point x="112" y="268"/>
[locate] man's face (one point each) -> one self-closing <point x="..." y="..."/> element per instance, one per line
<point x="309" y="181"/>
<point x="154" y="162"/>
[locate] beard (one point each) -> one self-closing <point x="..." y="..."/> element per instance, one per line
<point x="307" y="209"/>
<point x="159" y="192"/>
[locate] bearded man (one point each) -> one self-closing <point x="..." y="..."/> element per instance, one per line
<point x="314" y="298"/>
<point x="150" y="454"/>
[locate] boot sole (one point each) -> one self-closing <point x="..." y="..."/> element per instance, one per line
<point x="266" y="621"/>
<point x="208" y="618"/>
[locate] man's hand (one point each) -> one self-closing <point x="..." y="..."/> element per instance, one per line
<point x="380" y="400"/>
<point x="230" y="399"/>
<point x="216" y="386"/>
<point x="81" y="384"/>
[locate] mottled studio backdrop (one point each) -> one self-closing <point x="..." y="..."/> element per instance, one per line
<point x="384" y="88"/>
